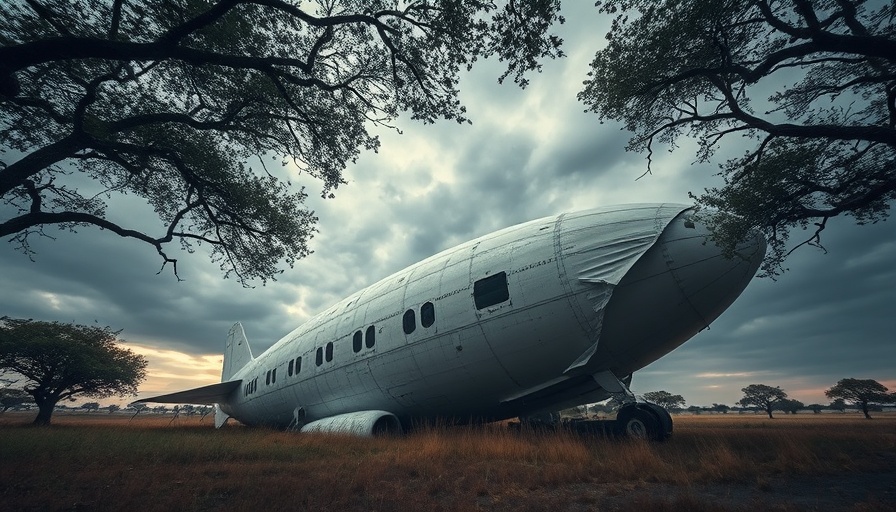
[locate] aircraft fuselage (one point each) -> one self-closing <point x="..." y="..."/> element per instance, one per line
<point x="509" y="324"/>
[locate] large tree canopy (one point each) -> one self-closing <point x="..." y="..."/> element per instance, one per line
<point x="861" y="393"/>
<point x="810" y="85"/>
<point x="174" y="100"/>
<point x="59" y="361"/>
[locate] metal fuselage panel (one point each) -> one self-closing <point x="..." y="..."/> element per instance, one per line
<point x="561" y="274"/>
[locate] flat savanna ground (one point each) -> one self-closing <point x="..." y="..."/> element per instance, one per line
<point x="713" y="462"/>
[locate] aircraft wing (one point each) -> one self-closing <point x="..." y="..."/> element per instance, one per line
<point x="211" y="394"/>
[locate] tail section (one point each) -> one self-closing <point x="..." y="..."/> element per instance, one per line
<point x="237" y="353"/>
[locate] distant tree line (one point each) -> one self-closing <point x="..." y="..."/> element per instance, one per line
<point x="866" y="395"/>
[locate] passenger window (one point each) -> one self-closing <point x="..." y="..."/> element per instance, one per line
<point x="290" y="367"/>
<point x="329" y="351"/>
<point x="273" y="375"/>
<point x="409" y="321"/>
<point x="267" y="378"/>
<point x="370" y="337"/>
<point x="298" y="364"/>
<point x="319" y="358"/>
<point x="490" y="290"/>
<point x="427" y="314"/>
<point x="356" y="342"/>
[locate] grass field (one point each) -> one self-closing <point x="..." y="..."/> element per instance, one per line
<point x="713" y="462"/>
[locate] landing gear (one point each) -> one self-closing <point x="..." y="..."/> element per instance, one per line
<point x="636" y="419"/>
<point x="644" y="421"/>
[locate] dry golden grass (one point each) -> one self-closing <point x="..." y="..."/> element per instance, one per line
<point x="106" y="462"/>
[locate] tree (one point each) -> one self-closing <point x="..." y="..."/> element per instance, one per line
<point x="825" y="139"/>
<point x="665" y="399"/>
<point x="838" y="405"/>
<point x="13" y="397"/>
<point x="113" y="408"/>
<point x="815" y="408"/>
<point x="790" y="405"/>
<point x="91" y="406"/>
<point x="722" y="408"/>
<point x="172" y="101"/>
<point x="59" y="361"/>
<point x="861" y="393"/>
<point x="763" y="396"/>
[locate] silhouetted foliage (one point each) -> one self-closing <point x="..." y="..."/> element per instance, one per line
<point x="838" y="405"/>
<point x="861" y="393"/>
<point x="722" y="408"/>
<point x="762" y="396"/>
<point x="815" y="408"/>
<point x="789" y="405"/>
<point x="13" y="397"/>
<point x="665" y="399"/>
<point x="172" y="101"/>
<point x="812" y="84"/>
<point x="60" y="361"/>
<point x="91" y="406"/>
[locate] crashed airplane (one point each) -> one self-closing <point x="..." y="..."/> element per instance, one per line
<point x="531" y="319"/>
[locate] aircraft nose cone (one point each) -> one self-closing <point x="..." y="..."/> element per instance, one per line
<point x="708" y="279"/>
<point x="676" y="289"/>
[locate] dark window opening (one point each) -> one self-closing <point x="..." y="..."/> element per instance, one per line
<point x="356" y="342"/>
<point x="409" y="321"/>
<point x="370" y="337"/>
<point x="290" y="367"/>
<point x="329" y="351"/>
<point x="298" y="364"/>
<point x="273" y="375"/>
<point x="427" y="314"/>
<point x="490" y="290"/>
<point x="267" y="378"/>
<point x="319" y="358"/>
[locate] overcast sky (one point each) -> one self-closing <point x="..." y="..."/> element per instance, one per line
<point x="528" y="154"/>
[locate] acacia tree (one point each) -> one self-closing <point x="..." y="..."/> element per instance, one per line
<point x="810" y="84"/>
<point x="761" y="395"/>
<point x="174" y="101"/>
<point x="60" y="361"/>
<point x="91" y="406"/>
<point x="790" y="405"/>
<point x="665" y="399"/>
<point x="861" y="393"/>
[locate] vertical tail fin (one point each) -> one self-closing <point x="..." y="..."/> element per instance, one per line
<point x="236" y="352"/>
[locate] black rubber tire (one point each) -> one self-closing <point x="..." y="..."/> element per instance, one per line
<point x="635" y="423"/>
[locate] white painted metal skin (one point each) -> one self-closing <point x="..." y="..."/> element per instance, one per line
<point x="605" y="290"/>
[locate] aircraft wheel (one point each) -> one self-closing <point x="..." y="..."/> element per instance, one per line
<point x="639" y="424"/>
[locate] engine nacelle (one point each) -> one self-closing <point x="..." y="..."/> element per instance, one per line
<point x="361" y="423"/>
